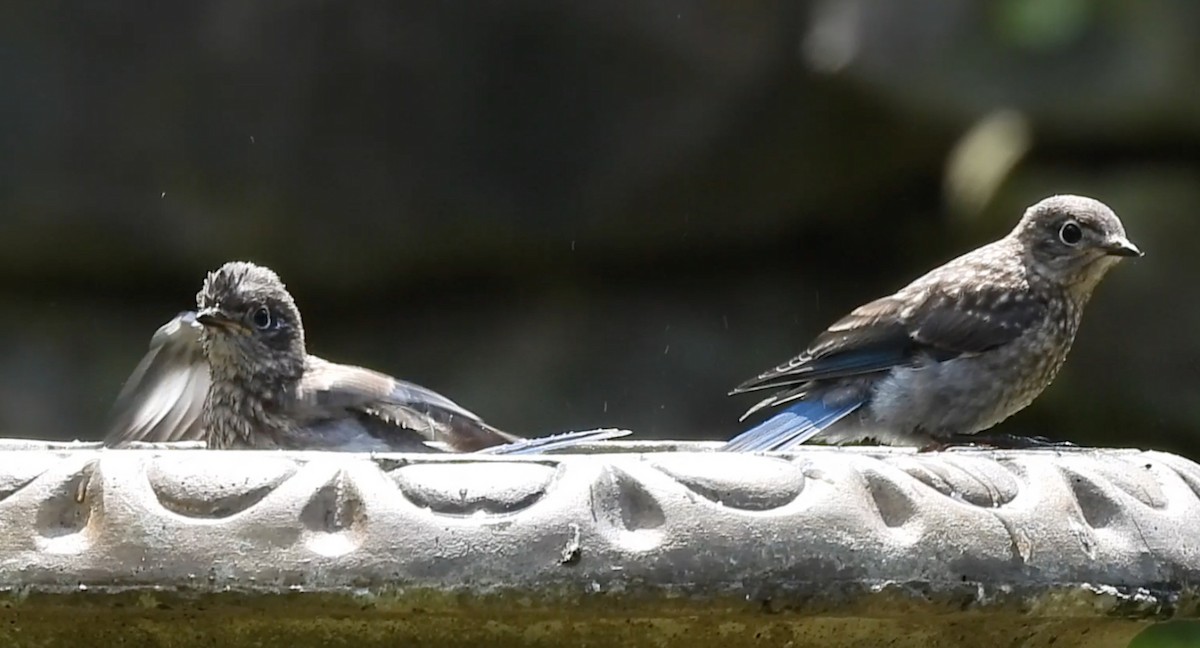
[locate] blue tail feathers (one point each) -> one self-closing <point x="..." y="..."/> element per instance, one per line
<point x="554" y="442"/>
<point x="791" y="427"/>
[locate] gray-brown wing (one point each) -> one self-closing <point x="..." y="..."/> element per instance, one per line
<point x="873" y="337"/>
<point x="163" y="398"/>
<point x="330" y="390"/>
<point x="892" y="331"/>
<point x="953" y="324"/>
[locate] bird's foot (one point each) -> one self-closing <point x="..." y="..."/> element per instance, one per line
<point x="995" y="441"/>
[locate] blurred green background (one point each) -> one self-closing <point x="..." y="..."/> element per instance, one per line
<point x="568" y="215"/>
<point x="1175" y="634"/>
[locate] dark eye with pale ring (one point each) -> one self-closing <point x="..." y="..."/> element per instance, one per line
<point x="262" y="318"/>
<point x="1070" y="233"/>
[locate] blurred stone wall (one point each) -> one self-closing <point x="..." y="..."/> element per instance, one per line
<point x="567" y="215"/>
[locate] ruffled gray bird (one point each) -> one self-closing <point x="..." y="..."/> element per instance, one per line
<point x="236" y="374"/>
<point x="956" y="351"/>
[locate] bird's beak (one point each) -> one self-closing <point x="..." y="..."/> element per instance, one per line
<point x="215" y="317"/>
<point x="1121" y="246"/>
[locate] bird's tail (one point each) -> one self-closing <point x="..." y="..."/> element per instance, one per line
<point x="791" y="427"/>
<point x="554" y="442"/>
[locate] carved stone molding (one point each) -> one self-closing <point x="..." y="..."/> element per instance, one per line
<point x="649" y="544"/>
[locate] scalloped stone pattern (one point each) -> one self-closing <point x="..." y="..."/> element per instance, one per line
<point x="652" y="544"/>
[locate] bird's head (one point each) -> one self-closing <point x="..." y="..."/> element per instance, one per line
<point x="1073" y="240"/>
<point x="251" y="324"/>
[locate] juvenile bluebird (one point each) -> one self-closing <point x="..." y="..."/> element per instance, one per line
<point x="953" y="353"/>
<point x="236" y="374"/>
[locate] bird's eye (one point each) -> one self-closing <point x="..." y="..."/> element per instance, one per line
<point x="1070" y="233"/>
<point x="262" y="317"/>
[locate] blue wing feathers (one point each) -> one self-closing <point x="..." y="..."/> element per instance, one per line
<point x="554" y="442"/>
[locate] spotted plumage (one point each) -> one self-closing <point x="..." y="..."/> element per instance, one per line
<point x="955" y="352"/>
<point x="236" y="374"/>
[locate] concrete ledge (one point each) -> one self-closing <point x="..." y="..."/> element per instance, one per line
<point x="650" y="545"/>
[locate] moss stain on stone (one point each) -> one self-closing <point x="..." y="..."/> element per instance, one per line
<point x="432" y="618"/>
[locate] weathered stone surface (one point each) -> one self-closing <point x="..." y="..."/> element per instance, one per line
<point x="659" y="544"/>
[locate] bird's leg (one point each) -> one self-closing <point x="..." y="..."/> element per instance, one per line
<point x="934" y="446"/>
<point x="995" y="441"/>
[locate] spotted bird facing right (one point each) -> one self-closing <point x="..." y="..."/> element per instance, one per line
<point x="953" y="353"/>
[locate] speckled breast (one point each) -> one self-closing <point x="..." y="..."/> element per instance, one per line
<point x="1044" y="350"/>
